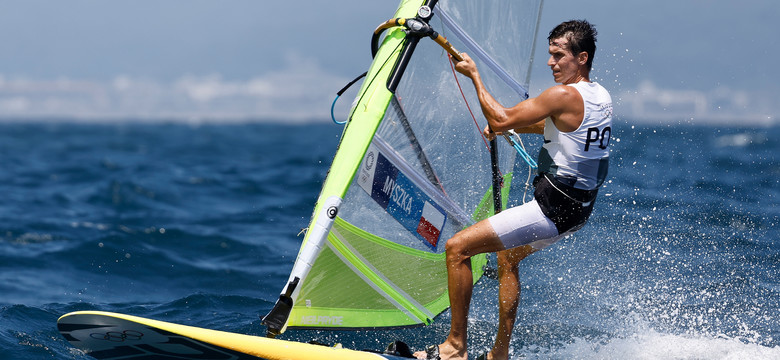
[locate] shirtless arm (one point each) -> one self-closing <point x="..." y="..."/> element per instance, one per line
<point x="557" y="102"/>
<point x="537" y="128"/>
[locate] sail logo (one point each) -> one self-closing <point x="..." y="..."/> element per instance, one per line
<point x="401" y="198"/>
<point x="322" y="320"/>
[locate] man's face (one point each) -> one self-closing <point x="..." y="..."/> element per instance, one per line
<point x="565" y="66"/>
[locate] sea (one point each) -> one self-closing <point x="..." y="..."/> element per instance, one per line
<point x="199" y="224"/>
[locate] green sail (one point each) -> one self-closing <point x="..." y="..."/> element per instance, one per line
<point x="411" y="170"/>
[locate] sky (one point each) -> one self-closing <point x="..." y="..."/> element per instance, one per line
<point x="693" y="60"/>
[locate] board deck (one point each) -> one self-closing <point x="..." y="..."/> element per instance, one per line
<point x="105" y="335"/>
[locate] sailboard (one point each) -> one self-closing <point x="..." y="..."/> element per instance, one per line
<point x="105" y="335"/>
<point x="411" y="169"/>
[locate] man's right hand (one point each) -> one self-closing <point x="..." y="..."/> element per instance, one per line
<point x="467" y="66"/>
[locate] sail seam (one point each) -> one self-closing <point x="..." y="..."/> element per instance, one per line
<point x="422" y="254"/>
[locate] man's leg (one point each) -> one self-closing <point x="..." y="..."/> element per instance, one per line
<point x="476" y="239"/>
<point x="508" y="297"/>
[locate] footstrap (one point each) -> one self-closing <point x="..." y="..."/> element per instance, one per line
<point x="432" y="352"/>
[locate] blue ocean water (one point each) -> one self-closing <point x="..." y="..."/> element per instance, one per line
<point x="199" y="224"/>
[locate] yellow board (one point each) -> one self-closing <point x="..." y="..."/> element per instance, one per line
<point x="106" y="335"/>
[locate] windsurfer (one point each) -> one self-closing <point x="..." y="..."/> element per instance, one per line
<point x="575" y="118"/>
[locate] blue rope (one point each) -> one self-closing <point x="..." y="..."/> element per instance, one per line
<point x="331" y="112"/>
<point x="528" y="160"/>
<point x="338" y="94"/>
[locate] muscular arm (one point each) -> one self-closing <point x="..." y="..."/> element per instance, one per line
<point x="561" y="103"/>
<point x="537" y="128"/>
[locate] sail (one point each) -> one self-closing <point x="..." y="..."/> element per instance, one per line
<point x="411" y="170"/>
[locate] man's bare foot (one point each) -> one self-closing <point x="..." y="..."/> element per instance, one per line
<point x="446" y="352"/>
<point x="431" y="352"/>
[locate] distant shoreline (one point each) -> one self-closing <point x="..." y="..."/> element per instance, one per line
<point x="679" y="120"/>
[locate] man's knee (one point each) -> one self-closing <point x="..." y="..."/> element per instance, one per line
<point x="456" y="248"/>
<point x="476" y="239"/>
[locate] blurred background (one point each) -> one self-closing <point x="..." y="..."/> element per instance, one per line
<point x="694" y="61"/>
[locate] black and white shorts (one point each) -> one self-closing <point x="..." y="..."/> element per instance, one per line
<point x="556" y="211"/>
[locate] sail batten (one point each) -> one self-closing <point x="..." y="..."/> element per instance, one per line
<point x="426" y="164"/>
<point x="410" y="172"/>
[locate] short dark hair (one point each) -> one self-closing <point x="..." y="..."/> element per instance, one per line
<point x="581" y="35"/>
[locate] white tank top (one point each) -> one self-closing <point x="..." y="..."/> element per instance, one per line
<point x="580" y="158"/>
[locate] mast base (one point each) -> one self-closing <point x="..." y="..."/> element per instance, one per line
<point x="276" y="319"/>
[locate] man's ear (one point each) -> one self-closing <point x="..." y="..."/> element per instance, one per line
<point x="582" y="58"/>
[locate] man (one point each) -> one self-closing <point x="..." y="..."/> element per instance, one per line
<point x="576" y="120"/>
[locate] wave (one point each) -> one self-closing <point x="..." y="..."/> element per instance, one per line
<point x="648" y="344"/>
